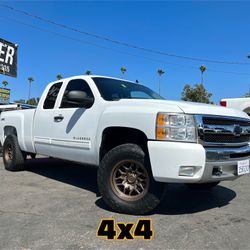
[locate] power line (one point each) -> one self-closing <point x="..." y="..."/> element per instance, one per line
<point x="90" y="43"/>
<point x="116" y="50"/>
<point x="117" y="41"/>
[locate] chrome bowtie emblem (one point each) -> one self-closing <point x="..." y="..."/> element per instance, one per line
<point x="237" y="130"/>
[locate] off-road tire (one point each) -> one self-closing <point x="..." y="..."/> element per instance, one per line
<point x="13" y="157"/>
<point x="202" y="186"/>
<point x="150" y="198"/>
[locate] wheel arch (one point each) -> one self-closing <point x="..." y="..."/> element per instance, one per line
<point x="115" y="136"/>
<point x="10" y="130"/>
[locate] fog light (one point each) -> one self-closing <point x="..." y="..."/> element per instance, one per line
<point x="217" y="171"/>
<point x="187" y="171"/>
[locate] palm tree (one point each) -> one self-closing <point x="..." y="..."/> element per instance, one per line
<point x="202" y="69"/>
<point x="123" y="70"/>
<point x="59" y="77"/>
<point x="160" y="73"/>
<point x="88" y="72"/>
<point x="5" y="83"/>
<point x="30" y="79"/>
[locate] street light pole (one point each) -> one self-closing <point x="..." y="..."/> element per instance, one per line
<point x="248" y="56"/>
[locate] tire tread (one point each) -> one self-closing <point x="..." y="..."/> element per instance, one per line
<point x="143" y="206"/>
<point x="17" y="164"/>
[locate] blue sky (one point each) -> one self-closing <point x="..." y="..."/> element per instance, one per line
<point x="210" y="30"/>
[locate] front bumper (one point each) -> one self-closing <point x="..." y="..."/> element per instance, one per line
<point x="211" y="164"/>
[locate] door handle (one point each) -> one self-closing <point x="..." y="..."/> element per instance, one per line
<point x="58" y="118"/>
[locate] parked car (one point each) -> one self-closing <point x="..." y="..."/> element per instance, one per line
<point x="138" y="140"/>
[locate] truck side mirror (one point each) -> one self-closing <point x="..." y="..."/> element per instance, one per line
<point x="80" y="98"/>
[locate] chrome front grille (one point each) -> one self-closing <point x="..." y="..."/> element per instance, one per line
<point x="225" y="121"/>
<point x="221" y="138"/>
<point x="223" y="131"/>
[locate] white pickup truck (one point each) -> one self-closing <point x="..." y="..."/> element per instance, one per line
<point x="237" y="103"/>
<point x="139" y="140"/>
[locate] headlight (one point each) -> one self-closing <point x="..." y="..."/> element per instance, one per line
<point x="175" y="127"/>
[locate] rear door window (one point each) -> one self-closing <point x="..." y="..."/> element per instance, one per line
<point x="50" y="100"/>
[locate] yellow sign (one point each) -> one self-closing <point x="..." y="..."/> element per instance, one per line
<point x="126" y="230"/>
<point x="4" y="96"/>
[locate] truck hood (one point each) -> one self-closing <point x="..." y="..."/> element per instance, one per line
<point x="187" y="107"/>
<point x="208" y="109"/>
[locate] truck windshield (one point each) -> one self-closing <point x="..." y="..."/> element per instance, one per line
<point x="112" y="90"/>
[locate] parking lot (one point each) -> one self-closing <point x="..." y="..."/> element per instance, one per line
<point x="55" y="205"/>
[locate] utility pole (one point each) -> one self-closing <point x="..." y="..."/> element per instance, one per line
<point x="160" y="73"/>
<point x="248" y="56"/>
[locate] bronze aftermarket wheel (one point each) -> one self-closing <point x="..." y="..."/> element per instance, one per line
<point x="8" y="152"/>
<point x="125" y="181"/>
<point x="129" y="180"/>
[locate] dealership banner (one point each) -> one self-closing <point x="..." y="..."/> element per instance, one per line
<point x="4" y="96"/>
<point x="8" y="58"/>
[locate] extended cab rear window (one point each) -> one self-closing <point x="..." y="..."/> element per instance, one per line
<point x="50" y="100"/>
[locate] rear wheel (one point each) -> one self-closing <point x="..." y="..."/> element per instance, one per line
<point x="13" y="157"/>
<point x="126" y="183"/>
<point x="203" y="186"/>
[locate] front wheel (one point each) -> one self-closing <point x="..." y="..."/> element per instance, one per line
<point x="203" y="186"/>
<point x="126" y="183"/>
<point x="13" y="157"/>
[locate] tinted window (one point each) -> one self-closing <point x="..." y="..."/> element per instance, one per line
<point x="139" y="95"/>
<point x="112" y="89"/>
<point x="50" y="100"/>
<point x="76" y="84"/>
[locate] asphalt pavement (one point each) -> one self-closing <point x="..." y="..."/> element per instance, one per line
<point x="56" y="205"/>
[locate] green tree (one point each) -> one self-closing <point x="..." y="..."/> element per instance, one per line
<point x="123" y="70"/>
<point x="202" y="69"/>
<point x="20" y="101"/>
<point x="88" y="72"/>
<point x="59" y="77"/>
<point x="33" y="101"/>
<point x="198" y="93"/>
<point x="5" y="83"/>
<point x="160" y="73"/>
<point x="30" y="79"/>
